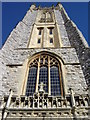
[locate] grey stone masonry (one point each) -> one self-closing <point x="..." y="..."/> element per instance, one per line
<point x="79" y="43"/>
<point x="68" y="55"/>
<point x="73" y="56"/>
<point x="18" y="38"/>
<point x="49" y="107"/>
<point x="14" y="76"/>
<point x="64" y="37"/>
<point x="15" y="53"/>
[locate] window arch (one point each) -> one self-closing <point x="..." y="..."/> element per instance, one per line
<point x="47" y="69"/>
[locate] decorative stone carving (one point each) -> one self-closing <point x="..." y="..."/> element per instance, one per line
<point x="41" y="100"/>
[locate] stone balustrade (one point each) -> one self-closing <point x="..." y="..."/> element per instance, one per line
<point x="43" y="100"/>
<point x="41" y="104"/>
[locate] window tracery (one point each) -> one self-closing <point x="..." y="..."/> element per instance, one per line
<point x="46" y="16"/>
<point x="46" y="69"/>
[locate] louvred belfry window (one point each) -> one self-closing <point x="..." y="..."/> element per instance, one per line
<point x="44" y="68"/>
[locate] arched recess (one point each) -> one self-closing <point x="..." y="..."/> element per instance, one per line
<point x="47" y="68"/>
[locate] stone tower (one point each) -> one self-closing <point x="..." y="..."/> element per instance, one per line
<point x="45" y="68"/>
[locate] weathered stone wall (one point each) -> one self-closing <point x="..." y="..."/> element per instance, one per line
<point x="75" y="79"/>
<point x="1" y="71"/>
<point x="13" y="78"/>
<point x="79" y="43"/>
<point x="15" y="53"/>
<point x="18" y="38"/>
<point x="64" y="37"/>
<point x="68" y="55"/>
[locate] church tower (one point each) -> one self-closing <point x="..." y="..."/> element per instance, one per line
<point x="45" y="68"/>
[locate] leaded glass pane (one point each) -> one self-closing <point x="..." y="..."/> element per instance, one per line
<point x="43" y="77"/>
<point x="55" y="81"/>
<point x="30" y="89"/>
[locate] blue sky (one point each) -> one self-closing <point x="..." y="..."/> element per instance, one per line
<point x="14" y="12"/>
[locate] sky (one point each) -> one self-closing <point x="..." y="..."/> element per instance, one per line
<point x="13" y="12"/>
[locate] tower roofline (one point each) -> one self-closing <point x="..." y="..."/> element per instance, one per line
<point x="33" y="6"/>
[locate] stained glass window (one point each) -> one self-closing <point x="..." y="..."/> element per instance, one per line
<point x="55" y="81"/>
<point x="31" y="82"/>
<point x="43" y="77"/>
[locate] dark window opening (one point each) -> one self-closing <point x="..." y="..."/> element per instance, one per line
<point x="51" y="40"/>
<point x="39" y="40"/>
<point x="50" y="31"/>
<point x="40" y="31"/>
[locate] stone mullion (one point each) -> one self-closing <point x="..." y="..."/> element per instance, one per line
<point x="37" y="80"/>
<point x="49" y="83"/>
<point x="42" y="37"/>
<point x="45" y="37"/>
<point x="61" y="88"/>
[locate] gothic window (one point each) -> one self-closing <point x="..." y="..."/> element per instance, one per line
<point x="31" y="81"/>
<point x="46" y="69"/>
<point x="43" y="77"/>
<point x="55" y="81"/>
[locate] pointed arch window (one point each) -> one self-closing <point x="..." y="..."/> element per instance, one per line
<point x="43" y="77"/>
<point x="31" y="81"/>
<point x="55" y="81"/>
<point x="46" y="69"/>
